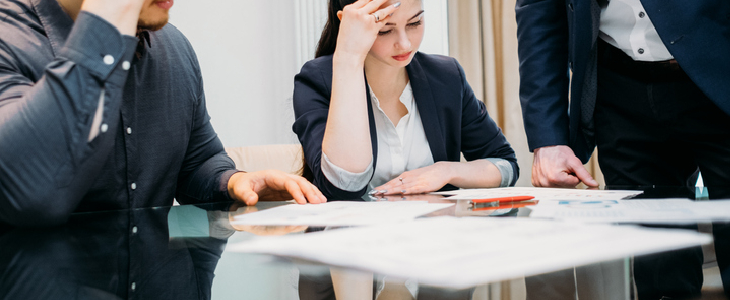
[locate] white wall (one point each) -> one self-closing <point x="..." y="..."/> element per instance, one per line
<point x="249" y="52"/>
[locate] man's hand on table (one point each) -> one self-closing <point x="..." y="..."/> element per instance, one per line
<point x="272" y="185"/>
<point x="557" y="166"/>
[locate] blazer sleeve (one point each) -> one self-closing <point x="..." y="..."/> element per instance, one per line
<point x="312" y="90"/>
<point x="542" y="35"/>
<point x="481" y="138"/>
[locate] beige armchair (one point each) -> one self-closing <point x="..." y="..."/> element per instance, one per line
<point x="287" y="158"/>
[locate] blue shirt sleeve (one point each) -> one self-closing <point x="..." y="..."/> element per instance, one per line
<point x="48" y="162"/>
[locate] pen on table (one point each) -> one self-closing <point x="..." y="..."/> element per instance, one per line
<point x="503" y="205"/>
<point x="503" y="199"/>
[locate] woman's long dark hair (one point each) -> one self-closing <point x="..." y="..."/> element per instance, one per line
<point x="328" y="40"/>
<point x="326" y="46"/>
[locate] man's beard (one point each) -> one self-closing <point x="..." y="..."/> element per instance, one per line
<point x="150" y="26"/>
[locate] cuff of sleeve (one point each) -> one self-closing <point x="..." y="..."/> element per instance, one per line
<point x="97" y="45"/>
<point x="505" y="169"/>
<point x="343" y="179"/>
<point x="223" y="187"/>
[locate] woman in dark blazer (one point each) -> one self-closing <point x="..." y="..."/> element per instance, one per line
<point x="374" y="115"/>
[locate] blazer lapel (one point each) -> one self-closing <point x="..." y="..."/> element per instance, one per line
<point x="427" y="108"/>
<point x="373" y="129"/>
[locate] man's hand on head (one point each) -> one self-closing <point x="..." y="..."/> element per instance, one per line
<point x="557" y="166"/>
<point x="124" y="14"/>
<point x="272" y="185"/>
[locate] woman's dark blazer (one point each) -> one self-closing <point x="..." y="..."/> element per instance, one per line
<point x="453" y="118"/>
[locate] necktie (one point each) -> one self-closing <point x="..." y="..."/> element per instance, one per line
<point x="590" y="83"/>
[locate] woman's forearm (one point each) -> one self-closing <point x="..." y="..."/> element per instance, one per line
<point x="474" y="174"/>
<point x="347" y="135"/>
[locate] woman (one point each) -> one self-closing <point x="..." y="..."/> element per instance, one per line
<point x="374" y="115"/>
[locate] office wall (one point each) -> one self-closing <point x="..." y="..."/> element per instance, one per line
<point x="249" y="52"/>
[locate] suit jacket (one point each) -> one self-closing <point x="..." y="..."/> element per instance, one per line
<point x="558" y="36"/>
<point x="453" y="118"/>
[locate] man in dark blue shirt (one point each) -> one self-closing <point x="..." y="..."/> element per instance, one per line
<point x="92" y="118"/>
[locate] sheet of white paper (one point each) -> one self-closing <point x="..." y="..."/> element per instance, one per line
<point x="469" y="251"/>
<point x="341" y="213"/>
<point x="634" y="211"/>
<point x="543" y="194"/>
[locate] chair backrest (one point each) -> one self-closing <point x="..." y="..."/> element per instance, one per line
<point x="287" y="158"/>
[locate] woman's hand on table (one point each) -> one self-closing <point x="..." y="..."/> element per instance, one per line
<point x="422" y="180"/>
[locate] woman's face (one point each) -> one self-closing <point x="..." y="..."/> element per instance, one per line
<point x="401" y="37"/>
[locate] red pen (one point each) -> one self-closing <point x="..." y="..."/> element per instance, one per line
<point x="504" y="205"/>
<point x="503" y="199"/>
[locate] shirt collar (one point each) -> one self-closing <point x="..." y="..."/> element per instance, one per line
<point x="144" y="39"/>
<point x="58" y="24"/>
<point x="406" y="97"/>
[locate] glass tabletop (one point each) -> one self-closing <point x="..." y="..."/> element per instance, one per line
<point x="182" y="252"/>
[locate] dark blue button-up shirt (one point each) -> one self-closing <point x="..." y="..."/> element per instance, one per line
<point x="85" y="124"/>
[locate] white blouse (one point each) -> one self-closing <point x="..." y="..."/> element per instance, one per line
<point x="401" y="147"/>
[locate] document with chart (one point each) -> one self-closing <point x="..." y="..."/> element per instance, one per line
<point x="660" y="211"/>
<point x="542" y="194"/>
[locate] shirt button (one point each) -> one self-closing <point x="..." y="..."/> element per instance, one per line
<point x="129" y="130"/>
<point x="125" y="65"/>
<point x="133" y="186"/>
<point x="642" y="14"/>
<point x="109" y="60"/>
<point x="104" y="127"/>
<point x="134" y="229"/>
<point x="641" y="50"/>
<point x="134" y="286"/>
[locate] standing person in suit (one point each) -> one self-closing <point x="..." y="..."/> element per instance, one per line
<point x="649" y="85"/>
<point x="374" y="114"/>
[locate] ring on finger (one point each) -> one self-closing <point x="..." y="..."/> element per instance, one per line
<point x="401" y="180"/>
<point x="377" y="17"/>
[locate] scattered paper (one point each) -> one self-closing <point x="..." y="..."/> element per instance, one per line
<point x="662" y="211"/>
<point x="341" y="213"/>
<point x="542" y="194"/>
<point x="470" y="251"/>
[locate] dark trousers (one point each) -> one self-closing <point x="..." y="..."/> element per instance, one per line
<point x="653" y="131"/>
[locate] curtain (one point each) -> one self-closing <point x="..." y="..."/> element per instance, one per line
<point x="483" y="38"/>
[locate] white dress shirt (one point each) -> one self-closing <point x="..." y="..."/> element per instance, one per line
<point x="626" y="26"/>
<point x="401" y="148"/>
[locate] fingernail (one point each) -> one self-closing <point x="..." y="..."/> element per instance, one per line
<point x="390" y="15"/>
<point x="402" y="191"/>
<point x="396" y="5"/>
<point x="373" y="192"/>
<point x="383" y="191"/>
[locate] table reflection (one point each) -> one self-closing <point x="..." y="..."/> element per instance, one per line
<point x="111" y="255"/>
<point x="173" y="253"/>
